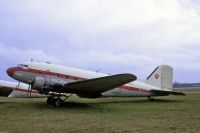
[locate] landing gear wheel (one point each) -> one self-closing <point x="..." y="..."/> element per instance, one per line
<point x="151" y="99"/>
<point x="50" y="100"/>
<point x="58" y="102"/>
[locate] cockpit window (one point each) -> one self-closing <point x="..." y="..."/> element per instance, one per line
<point x="22" y="66"/>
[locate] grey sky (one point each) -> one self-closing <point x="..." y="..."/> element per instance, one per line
<point x="112" y="35"/>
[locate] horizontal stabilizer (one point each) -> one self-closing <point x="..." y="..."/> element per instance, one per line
<point x="165" y="93"/>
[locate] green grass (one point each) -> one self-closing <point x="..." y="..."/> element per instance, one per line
<point x="108" y="115"/>
<point x="192" y="89"/>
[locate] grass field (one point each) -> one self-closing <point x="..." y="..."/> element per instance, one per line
<point x="110" y="115"/>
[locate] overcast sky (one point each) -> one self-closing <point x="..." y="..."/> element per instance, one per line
<point x="114" y="36"/>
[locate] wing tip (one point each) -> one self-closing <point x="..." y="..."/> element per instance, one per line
<point x="131" y="76"/>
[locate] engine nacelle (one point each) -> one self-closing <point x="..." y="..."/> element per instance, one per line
<point x="47" y="83"/>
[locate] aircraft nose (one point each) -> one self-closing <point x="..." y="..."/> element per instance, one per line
<point x="10" y="71"/>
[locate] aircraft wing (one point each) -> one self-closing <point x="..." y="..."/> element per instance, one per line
<point x="5" y="88"/>
<point x="96" y="85"/>
<point x="5" y="91"/>
<point x="165" y="93"/>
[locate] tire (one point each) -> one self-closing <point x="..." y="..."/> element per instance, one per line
<point x="58" y="102"/>
<point x="50" y="100"/>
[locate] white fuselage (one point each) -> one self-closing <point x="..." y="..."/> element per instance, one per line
<point x="29" y="70"/>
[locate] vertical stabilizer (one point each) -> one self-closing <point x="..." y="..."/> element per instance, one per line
<point x="161" y="77"/>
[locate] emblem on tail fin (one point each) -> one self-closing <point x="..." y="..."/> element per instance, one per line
<point x="157" y="76"/>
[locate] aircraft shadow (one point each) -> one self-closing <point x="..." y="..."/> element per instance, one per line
<point x="68" y="105"/>
<point x="75" y="105"/>
<point x="95" y="104"/>
<point x="164" y="100"/>
<point x="140" y="101"/>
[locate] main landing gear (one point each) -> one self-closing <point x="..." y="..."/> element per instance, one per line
<point x="151" y="99"/>
<point x="57" y="101"/>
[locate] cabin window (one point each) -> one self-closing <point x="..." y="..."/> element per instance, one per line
<point x="22" y="66"/>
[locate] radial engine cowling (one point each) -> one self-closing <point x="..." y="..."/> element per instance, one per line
<point x="47" y="83"/>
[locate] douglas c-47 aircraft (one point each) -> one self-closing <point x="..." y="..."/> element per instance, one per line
<point x="57" y="81"/>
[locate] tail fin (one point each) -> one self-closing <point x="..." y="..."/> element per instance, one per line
<point x="161" y="77"/>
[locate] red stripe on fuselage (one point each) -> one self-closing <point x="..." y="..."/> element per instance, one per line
<point x="69" y="77"/>
<point x="23" y="90"/>
<point x="41" y="72"/>
<point x="134" y="89"/>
